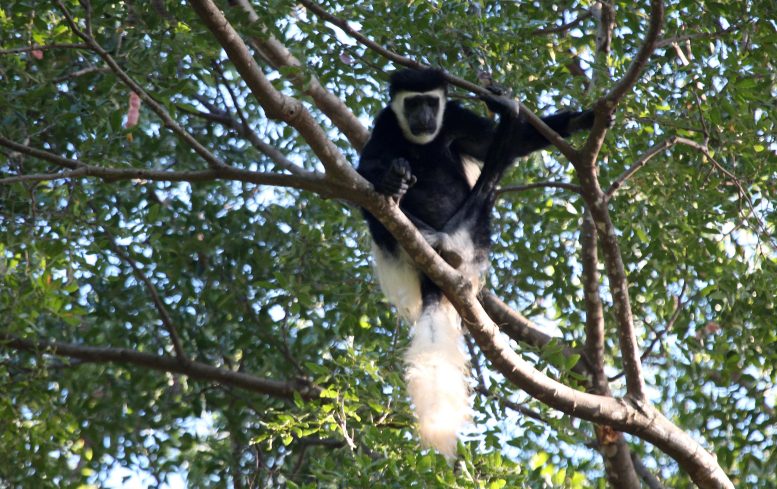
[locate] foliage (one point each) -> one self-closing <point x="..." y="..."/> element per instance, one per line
<point x="276" y="282"/>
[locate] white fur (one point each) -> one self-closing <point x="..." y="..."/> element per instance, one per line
<point x="472" y="169"/>
<point x="399" y="281"/>
<point x="436" y="372"/>
<point x="436" y="378"/>
<point x="398" y="106"/>
<point x="475" y="264"/>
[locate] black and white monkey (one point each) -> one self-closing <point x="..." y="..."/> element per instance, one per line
<point x="442" y="163"/>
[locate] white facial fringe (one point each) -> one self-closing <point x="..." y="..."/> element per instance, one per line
<point x="398" y="106"/>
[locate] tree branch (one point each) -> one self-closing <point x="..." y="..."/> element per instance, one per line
<point x="668" y="41"/>
<point x="594" y="311"/>
<point x="43" y="177"/>
<point x="596" y="201"/>
<point x="650" y="480"/>
<point x="244" y="129"/>
<point x="640" y="60"/>
<point x="521" y="329"/>
<point x="605" y="20"/>
<point x="313" y="182"/>
<point x="629" y="414"/>
<point x="195" y="370"/>
<point x="81" y="72"/>
<point x="611" y="444"/>
<point x="605" y="106"/>
<point x="563" y="27"/>
<point x="616" y="273"/>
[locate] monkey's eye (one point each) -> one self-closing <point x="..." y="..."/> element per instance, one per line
<point x="413" y="102"/>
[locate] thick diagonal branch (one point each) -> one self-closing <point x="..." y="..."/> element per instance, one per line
<point x="279" y="56"/>
<point x="276" y="105"/>
<point x="627" y="415"/>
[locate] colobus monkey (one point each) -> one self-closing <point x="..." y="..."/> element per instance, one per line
<point x="442" y="163"/>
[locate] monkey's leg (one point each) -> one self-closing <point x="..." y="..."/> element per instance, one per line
<point x="438" y="240"/>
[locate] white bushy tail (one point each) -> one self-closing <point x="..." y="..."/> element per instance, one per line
<point x="436" y="377"/>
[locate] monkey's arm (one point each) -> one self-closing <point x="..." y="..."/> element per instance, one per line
<point x="566" y="123"/>
<point x="474" y="134"/>
<point x="382" y="164"/>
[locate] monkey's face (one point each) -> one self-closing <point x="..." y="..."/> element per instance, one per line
<point x="419" y="114"/>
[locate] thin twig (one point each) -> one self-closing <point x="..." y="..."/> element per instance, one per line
<point x="668" y="41"/>
<point x="507" y="403"/>
<point x="637" y="165"/>
<point x="481" y="379"/>
<point x="563" y="27"/>
<point x="82" y="72"/>
<point x="43" y="177"/>
<point x="244" y="129"/>
<point x="87" y="5"/>
<point x="679" y="305"/>
<point x="645" y="474"/>
<point x="158" y="303"/>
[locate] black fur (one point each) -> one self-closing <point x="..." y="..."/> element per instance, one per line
<point x="429" y="179"/>
<point x="416" y="81"/>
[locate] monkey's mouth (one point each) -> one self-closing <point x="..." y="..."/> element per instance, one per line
<point x="421" y="129"/>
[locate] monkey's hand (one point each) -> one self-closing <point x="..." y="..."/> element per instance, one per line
<point x="499" y="103"/>
<point x="583" y="121"/>
<point x="397" y="179"/>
